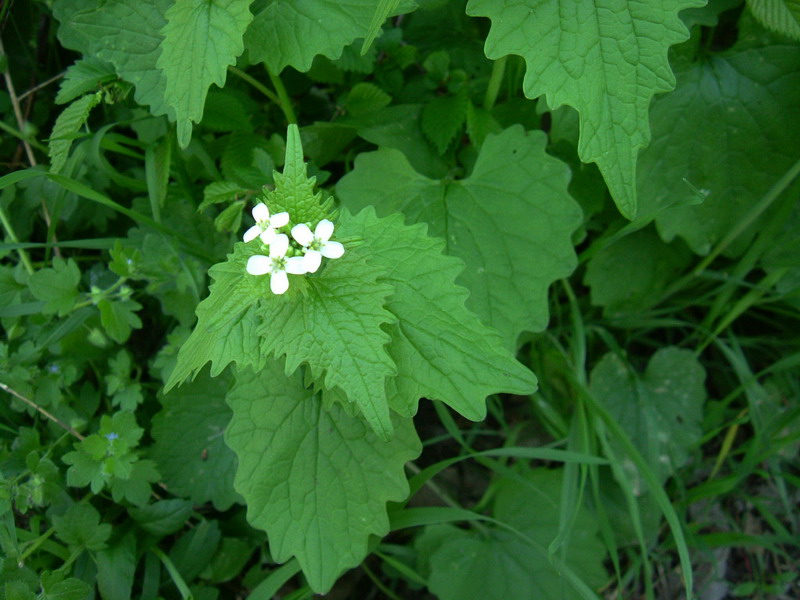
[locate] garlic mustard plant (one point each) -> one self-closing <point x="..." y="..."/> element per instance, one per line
<point x="316" y="245"/>
<point x="266" y="227"/>
<point x="277" y="264"/>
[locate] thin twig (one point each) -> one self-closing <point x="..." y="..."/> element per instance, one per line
<point x="17" y="111"/>
<point x="32" y="404"/>
<point x="44" y="84"/>
<point x="21" y="125"/>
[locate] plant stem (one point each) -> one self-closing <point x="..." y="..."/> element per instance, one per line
<point x="23" y="255"/>
<point x="285" y="101"/>
<point x="32" y="404"/>
<point x="498" y="70"/>
<point x="21" y="137"/>
<point x="256" y="84"/>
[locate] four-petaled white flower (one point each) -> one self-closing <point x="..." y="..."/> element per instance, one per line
<point x="265" y="225"/>
<point x="317" y="244"/>
<point x="276" y="264"/>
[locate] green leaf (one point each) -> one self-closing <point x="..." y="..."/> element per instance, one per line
<point x="442" y="118"/>
<point x="116" y="566"/>
<point x="54" y="587"/>
<point x="231" y="557"/>
<point x="294" y="189"/>
<point x="292" y="32"/>
<point x="619" y="283"/>
<point x="752" y="96"/>
<point x="605" y="58"/>
<point x="382" y="12"/>
<point x="109" y="29"/>
<point x="66" y="128"/>
<point x="86" y="75"/>
<point x="80" y="526"/>
<point x="189" y="449"/>
<point x="662" y="411"/>
<point x="57" y="286"/>
<point x="335" y="328"/>
<point x="135" y="484"/>
<point x="316" y="480"/>
<point x="365" y="98"/>
<point x="118" y="317"/>
<point x="201" y="39"/>
<point x="219" y="192"/>
<point x="163" y="517"/>
<point x="499" y="564"/>
<point x="443" y="352"/>
<point x="512" y="255"/>
<point x="194" y="550"/>
<point x="782" y="16"/>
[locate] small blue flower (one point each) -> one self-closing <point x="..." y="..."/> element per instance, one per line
<point x="112" y="436"/>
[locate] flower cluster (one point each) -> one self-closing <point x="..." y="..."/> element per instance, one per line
<point x="298" y="256"/>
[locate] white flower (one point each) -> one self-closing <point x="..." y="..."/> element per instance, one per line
<point x="317" y="244"/>
<point x="265" y="225"/>
<point x="276" y="264"/>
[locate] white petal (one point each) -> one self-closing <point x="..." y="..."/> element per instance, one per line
<point x="259" y="265"/>
<point x="260" y="212"/>
<point x="332" y="250"/>
<point x="312" y="260"/>
<point x="279" y="220"/>
<point x="302" y="234"/>
<point x="279" y="245"/>
<point x="296" y="265"/>
<point x="268" y="235"/>
<point x="279" y="282"/>
<point x="324" y="230"/>
<point x="252" y="233"/>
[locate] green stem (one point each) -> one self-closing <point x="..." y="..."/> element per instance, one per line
<point x="19" y="135"/>
<point x="498" y="70"/>
<point x="177" y="579"/>
<point x="12" y="234"/>
<point x="36" y="543"/>
<point x="285" y="101"/>
<point x="256" y="84"/>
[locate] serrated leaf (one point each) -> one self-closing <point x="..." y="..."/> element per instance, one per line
<point x="499" y="564"/>
<point x="57" y="286"/>
<point x="442" y="118"/>
<point x="782" y="16"/>
<point x="292" y="32"/>
<point x="442" y="351"/>
<point x="219" y="192"/>
<point x="662" y="411"/>
<point x="66" y="128"/>
<point x="54" y="588"/>
<point x="189" y="449"/>
<point x="316" y="480"/>
<point x="125" y="33"/>
<point x="201" y="39"/>
<point x="630" y="274"/>
<point x="751" y="96"/>
<point x="119" y="317"/>
<point x="605" y="58"/>
<point x="84" y="76"/>
<point x="294" y="189"/>
<point x="335" y="328"/>
<point x="512" y="255"/>
<point x="480" y="123"/>
<point x="365" y="98"/>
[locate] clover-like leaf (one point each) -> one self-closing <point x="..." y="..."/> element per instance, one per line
<point x="605" y="58"/>
<point x="316" y="480"/>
